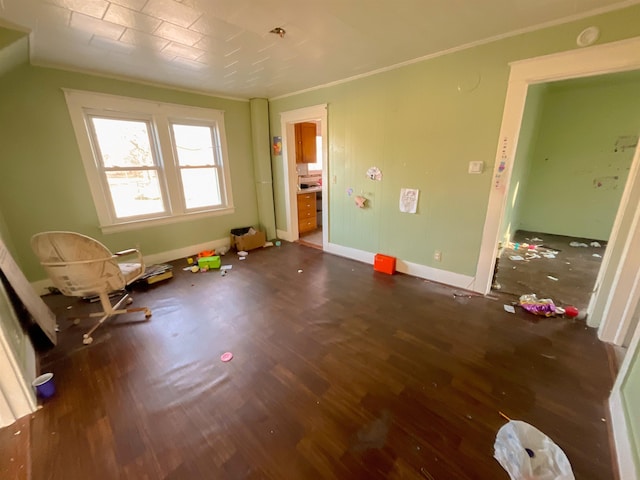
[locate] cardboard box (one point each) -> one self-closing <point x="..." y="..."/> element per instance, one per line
<point x="248" y="242"/>
<point x="384" y="264"/>
<point x="209" y="262"/>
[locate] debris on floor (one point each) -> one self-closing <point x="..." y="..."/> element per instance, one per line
<point x="156" y="273"/>
<point x="550" y="277"/>
<point x="571" y="311"/>
<point x="516" y="258"/>
<point x="509" y="308"/>
<point x="532" y="304"/>
<point x="578" y="244"/>
<point x="525" y="452"/>
<point x="226" y="356"/>
<point x="595" y="244"/>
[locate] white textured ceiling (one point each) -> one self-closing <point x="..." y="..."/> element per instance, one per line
<point x="224" y="46"/>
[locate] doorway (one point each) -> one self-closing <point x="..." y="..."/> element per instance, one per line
<point x="306" y="184"/>
<point x="571" y="165"/>
<point x="618" y="276"/>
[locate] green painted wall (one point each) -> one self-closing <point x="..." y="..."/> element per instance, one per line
<point x="14" y="49"/>
<point x="262" y="164"/>
<point x="522" y="162"/>
<point x="630" y="391"/>
<point x="422" y="124"/>
<point x="577" y="177"/>
<point x="9" y="36"/>
<point x="42" y="181"/>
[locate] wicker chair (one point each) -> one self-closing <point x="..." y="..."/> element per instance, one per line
<point x="80" y="266"/>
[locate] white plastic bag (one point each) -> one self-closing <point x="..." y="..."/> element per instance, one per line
<point x="528" y="454"/>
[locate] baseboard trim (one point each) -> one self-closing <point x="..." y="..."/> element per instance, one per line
<point x="42" y="286"/>
<point x="421" y="271"/>
<point x="185" y="252"/>
<point x="285" y="235"/>
<point x="621" y="435"/>
<point x="414" y="269"/>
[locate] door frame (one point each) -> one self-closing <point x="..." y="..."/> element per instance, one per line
<point x="603" y="59"/>
<point x="287" y="121"/>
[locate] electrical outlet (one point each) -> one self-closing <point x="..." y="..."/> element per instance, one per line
<point x="437" y="256"/>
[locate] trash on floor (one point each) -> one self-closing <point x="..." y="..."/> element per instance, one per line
<point x="595" y="244"/>
<point x="247" y="238"/>
<point x="597" y="255"/>
<point x="532" y="304"/>
<point x="226" y="356"/>
<point x="571" y="311"/>
<point x="509" y="308"/>
<point x="44" y="386"/>
<point x="156" y="273"/>
<point x="578" y="244"/>
<point x="550" y="277"/>
<point x="525" y="452"/>
<point x="516" y="258"/>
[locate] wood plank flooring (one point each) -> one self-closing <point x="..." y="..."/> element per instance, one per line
<point x="338" y="372"/>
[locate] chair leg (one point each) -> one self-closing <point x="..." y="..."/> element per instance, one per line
<point x="110" y="311"/>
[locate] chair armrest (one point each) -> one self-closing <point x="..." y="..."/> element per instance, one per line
<point x="128" y="251"/>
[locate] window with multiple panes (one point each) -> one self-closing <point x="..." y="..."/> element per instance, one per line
<point x="150" y="162"/>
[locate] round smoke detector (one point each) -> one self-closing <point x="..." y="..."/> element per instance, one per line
<point x="588" y="36"/>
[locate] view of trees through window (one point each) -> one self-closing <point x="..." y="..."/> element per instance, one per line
<point x="130" y="166"/>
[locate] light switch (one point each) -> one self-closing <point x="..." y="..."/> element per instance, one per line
<point x="476" y="167"/>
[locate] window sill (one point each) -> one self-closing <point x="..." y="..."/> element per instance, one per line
<point x="154" y="222"/>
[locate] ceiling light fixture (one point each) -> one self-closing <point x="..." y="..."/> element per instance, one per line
<point x="278" y="31"/>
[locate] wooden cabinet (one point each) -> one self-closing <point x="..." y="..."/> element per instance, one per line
<point x="307" y="220"/>
<point x="305" y="142"/>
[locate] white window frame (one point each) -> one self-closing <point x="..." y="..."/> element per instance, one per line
<point x="160" y="117"/>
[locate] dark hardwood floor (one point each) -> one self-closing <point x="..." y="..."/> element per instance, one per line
<point x="338" y="372"/>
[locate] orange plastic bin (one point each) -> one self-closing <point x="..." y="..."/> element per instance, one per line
<point x="384" y="263"/>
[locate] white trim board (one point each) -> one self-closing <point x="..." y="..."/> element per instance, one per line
<point x="627" y="468"/>
<point x="596" y="60"/>
<point x="41" y="286"/>
<point x="287" y="121"/>
<point x="621" y="435"/>
<point x="414" y="269"/>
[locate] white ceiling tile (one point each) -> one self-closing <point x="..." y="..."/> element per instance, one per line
<point x="130" y="4"/>
<point x="190" y="64"/>
<point x="141" y="39"/>
<point x="111" y="45"/>
<point x="182" y="51"/>
<point x="177" y="34"/>
<point x="172" y="11"/>
<point x="131" y="19"/>
<point x="93" y="8"/>
<point x="56" y="15"/>
<point x="96" y="26"/>
<point x="214" y="27"/>
<point x="325" y="41"/>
